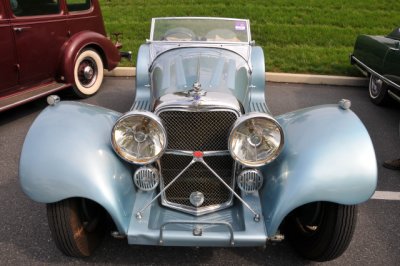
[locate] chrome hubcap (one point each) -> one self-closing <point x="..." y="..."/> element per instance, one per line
<point x="375" y="87"/>
<point x="88" y="72"/>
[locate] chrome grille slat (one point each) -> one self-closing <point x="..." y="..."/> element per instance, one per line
<point x="205" y="130"/>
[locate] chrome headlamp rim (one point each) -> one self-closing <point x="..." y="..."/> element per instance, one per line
<point x="239" y="122"/>
<point x="153" y="117"/>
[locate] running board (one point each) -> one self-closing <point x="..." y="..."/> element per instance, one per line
<point x="30" y="95"/>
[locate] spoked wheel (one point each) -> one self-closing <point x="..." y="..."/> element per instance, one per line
<point x="378" y="91"/>
<point x="321" y="231"/>
<point x="77" y="226"/>
<point x="88" y="73"/>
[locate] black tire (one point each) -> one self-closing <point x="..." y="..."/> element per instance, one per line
<point x="88" y="73"/>
<point x="378" y="91"/>
<point x="321" y="231"/>
<point x="77" y="226"/>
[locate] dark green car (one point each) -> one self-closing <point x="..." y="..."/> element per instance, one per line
<point x="378" y="57"/>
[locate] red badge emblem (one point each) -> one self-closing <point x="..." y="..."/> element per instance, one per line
<point x="198" y="154"/>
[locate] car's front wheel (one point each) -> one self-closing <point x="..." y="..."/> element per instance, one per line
<point x="321" y="231"/>
<point x="77" y="226"/>
<point x="88" y="73"/>
<point x="378" y="91"/>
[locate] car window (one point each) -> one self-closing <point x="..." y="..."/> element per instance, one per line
<point x="23" y="8"/>
<point x="78" y="5"/>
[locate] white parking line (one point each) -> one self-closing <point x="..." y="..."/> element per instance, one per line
<point x="386" y="195"/>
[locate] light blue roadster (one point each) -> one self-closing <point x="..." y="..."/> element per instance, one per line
<point x="199" y="160"/>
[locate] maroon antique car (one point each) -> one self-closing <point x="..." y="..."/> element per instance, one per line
<point x="49" y="45"/>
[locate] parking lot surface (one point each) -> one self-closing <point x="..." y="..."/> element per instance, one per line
<point x="25" y="237"/>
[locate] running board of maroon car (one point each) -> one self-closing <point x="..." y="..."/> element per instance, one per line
<point x="26" y="96"/>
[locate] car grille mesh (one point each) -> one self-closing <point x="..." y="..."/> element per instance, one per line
<point x="197" y="131"/>
<point x="197" y="178"/>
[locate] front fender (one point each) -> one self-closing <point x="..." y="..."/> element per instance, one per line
<point x="67" y="153"/>
<point x="328" y="156"/>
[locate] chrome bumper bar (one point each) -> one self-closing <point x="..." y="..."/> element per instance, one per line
<point x="233" y="226"/>
<point x="373" y="72"/>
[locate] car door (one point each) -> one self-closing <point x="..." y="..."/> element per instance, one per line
<point x="8" y="61"/>
<point x="39" y="28"/>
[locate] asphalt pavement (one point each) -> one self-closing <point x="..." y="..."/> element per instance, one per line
<point x="25" y="237"/>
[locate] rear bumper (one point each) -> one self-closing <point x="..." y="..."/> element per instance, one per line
<point x="127" y="55"/>
<point x="368" y="71"/>
<point x="158" y="225"/>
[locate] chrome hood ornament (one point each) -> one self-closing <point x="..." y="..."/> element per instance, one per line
<point x="196" y="92"/>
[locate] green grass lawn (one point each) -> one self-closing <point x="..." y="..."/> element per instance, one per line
<point x="300" y="36"/>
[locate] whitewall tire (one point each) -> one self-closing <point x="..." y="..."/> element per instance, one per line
<point x="88" y="73"/>
<point x="378" y="91"/>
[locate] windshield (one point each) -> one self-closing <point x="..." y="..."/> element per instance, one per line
<point x="200" y="30"/>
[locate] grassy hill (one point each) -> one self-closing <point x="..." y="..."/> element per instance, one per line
<point x="298" y="36"/>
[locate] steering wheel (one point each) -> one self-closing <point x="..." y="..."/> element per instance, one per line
<point x="179" y="34"/>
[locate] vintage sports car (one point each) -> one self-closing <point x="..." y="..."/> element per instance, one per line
<point x="49" y="45"/>
<point x="199" y="160"/>
<point x="378" y="57"/>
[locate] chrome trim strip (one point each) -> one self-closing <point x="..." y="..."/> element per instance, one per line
<point x="205" y="153"/>
<point x="386" y="80"/>
<point x="211" y="102"/>
<point x="36" y="96"/>
<point x="362" y="70"/>
<point x="190" y="43"/>
<point x="153" y="20"/>
<point x="191" y="108"/>
<point x="231" y="241"/>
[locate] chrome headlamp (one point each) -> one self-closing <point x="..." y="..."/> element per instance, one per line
<point x="256" y="139"/>
<point x="139" y="137"/>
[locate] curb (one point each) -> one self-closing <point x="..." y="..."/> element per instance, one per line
<point x="273" y="77"/>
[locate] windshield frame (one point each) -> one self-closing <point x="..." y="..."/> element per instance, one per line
<point x="153" y="22"/>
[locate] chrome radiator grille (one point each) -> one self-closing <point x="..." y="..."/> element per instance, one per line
<point x="197" y="131"/>
<point x="197" y="178"/>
